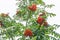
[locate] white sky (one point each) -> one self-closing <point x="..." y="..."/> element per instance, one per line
<point x="9" y="6"/>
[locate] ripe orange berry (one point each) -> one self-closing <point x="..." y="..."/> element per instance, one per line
<point x="28" y="32"/>
<point x="33" y="7"/>
<point x="45" y="24"/>
<point x="40" y="20"/>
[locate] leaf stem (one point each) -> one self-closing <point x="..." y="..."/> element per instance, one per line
<point x="12" y="38"/>
<point x="26" y="22"/>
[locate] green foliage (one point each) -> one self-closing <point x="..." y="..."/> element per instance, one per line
<point x="11" y="28"/>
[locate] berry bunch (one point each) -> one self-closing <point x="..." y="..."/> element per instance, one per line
<point x="33" y="7"/>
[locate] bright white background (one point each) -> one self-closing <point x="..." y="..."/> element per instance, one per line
<point x="9" y="6"/>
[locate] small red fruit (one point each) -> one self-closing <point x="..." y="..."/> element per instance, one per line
<point x="40" y="20"/>
<point x="45" y="24"/>
<point x="33" y="7"/>
<point x="28" y="32"/>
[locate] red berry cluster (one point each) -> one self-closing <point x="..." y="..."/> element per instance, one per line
<point x="28" y="32"/>
<point x="41" y="20"/>
<point x="33" y="7"/>
<point x="45" y="24"/>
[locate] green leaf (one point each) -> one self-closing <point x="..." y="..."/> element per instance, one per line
<point x="34" y="38"/>
<point x="49" y="6"/>
<point x="40" y="2"/>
